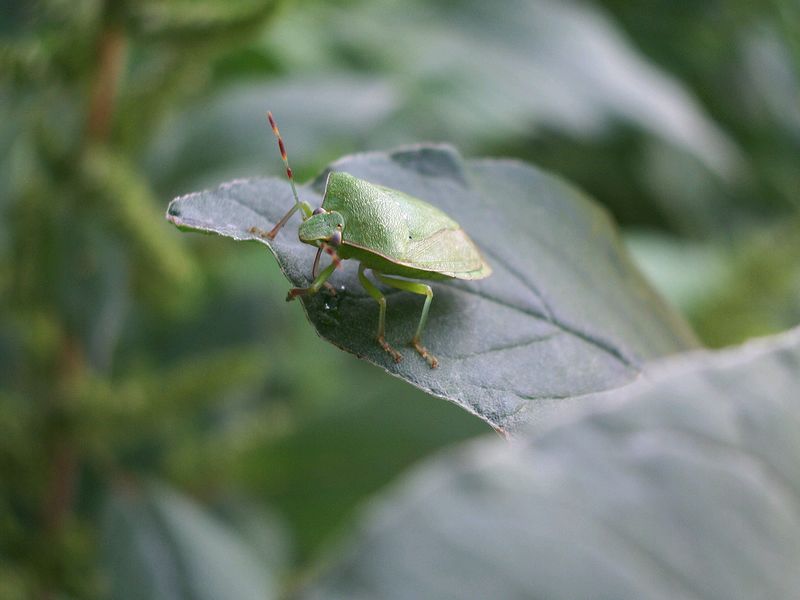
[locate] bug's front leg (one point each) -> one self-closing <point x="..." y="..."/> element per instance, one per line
<point x="315" y="286"/>
<point x="306" y="209"/>
<point x="315" y="268"/>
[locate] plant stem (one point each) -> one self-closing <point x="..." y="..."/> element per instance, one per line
<point x="111" y="60"/>
<point x="64" y="455"/>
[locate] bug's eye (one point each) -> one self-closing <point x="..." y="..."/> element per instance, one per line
<point x="336" y="238"/>
<point x="318" y="211"/>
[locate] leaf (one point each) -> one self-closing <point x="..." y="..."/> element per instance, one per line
<point x="472" y="71"/>
<point x="160" y="544"/>
<point x="684" y="486"/>
<point x="214" y="140"/>
<point x="760" y="295"/>
<point x="126" y="207"/>
<point x="360" y="440"/>
<point x="564" y="314"/>
<point x="540" y="68"/>
<point x="686" y="272"/>
<point x="198" y="19"/>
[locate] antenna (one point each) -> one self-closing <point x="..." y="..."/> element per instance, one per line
<point x="274" y="231"/>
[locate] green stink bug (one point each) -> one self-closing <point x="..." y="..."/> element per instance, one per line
<point x="388" y="232"/>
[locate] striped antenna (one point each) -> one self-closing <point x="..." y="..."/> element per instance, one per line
<point x="289" y="174"/>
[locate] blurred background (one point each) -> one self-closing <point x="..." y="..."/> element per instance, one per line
<point x="165" y="418"/>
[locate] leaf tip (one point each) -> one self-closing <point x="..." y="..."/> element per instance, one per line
<point x="173" y="211"/>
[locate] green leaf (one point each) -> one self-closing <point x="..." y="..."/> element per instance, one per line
<point x="214" y="139"/>
<point x="686" y="272"/>
<point x="198" y="19"/>
<point x="683" y="486"/>
<point x="127" y="207"/>
<point x="471" y="71"/>
<point x="160" y="544"/>
<point x="564" y="314"/>
<point x="355" y="444"/>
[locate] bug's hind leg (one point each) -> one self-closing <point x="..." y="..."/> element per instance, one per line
<point x="424" y="290"/>
<point x="381" y="299"/>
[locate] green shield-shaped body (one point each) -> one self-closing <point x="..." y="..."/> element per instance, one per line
<point x="394" y="233"/>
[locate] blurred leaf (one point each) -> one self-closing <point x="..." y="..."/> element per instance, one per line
<point x="369" y="431"/>
<point x="462" y="71"/>
<point x="126" y="201"/>
<point x="737" y="56"/>
<point x="265" y="532"/>
<point x="95" y="299"/>
<point x="472" y="72"/>
<point x="694" y="202"/>
<point x="685" y="272"/>
<point x="681" y="486"/>
<point x="761" y="293"/>
<point x="203" y="378"/>
<point x="564" y="314"/>
<point x="768" y="65"/>
<point x="160" y="544"/>
<point x="169" y="395"/>
<point x="215" y="138"/>
<point x="197" y="18"/>
<point x="12" y="583"/>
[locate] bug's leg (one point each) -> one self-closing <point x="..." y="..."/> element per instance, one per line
<point x="270" y="235"/>
<point x="315" y="285"/>
<point x="315" y="268"/>
<point x="304" y="206"/>
<point x="376" y="293"/>
<point x="424" y="290"/>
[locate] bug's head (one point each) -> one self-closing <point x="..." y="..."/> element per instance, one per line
<point x="322" y="226"/>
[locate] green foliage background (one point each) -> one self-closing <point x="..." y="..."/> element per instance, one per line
<point x="135" y="359"/>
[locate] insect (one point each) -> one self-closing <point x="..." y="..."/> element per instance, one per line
<point x="387" y="231"/>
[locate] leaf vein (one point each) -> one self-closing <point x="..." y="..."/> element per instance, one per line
<point x="549" y="316"/>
